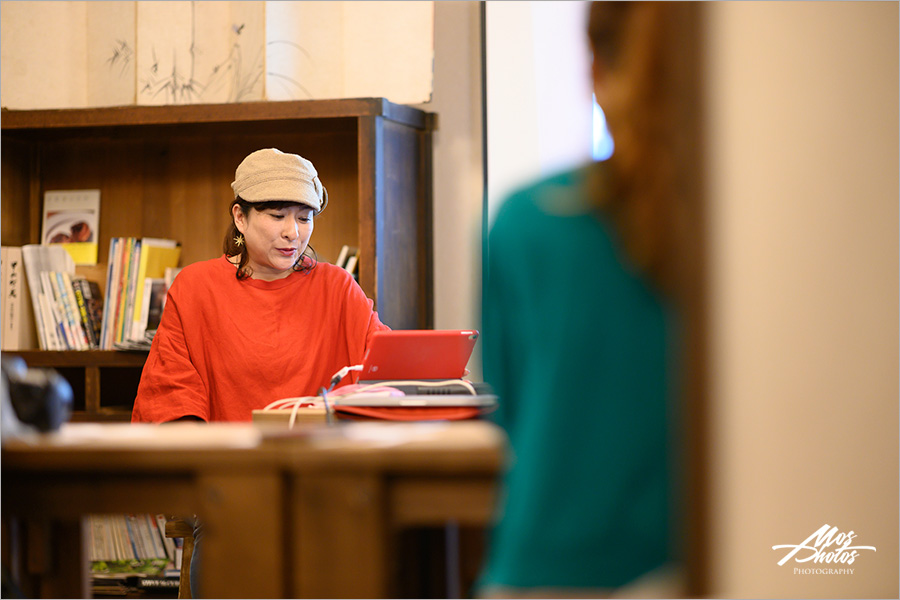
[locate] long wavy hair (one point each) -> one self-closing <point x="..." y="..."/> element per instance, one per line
<point x="633" y="52"/>
<point x="307" y="261"/>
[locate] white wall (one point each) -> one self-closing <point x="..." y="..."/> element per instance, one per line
<point x="84" y="54"/>
<point x="457" y="167"/>
<point x="539" y="95"/>
<point x="533" y="129"/>
<point x="803" y="191"/>
<point x="349" y="50"/>
<point x="58" y="61"/>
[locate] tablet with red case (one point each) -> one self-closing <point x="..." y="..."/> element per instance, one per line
<point x="418" y="354"/>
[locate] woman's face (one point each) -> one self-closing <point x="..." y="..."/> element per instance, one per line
<point x="274" y="238"/>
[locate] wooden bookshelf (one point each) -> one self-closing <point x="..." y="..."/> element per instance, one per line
<point x="166" y="171"/>
<point x="91" y="371"/>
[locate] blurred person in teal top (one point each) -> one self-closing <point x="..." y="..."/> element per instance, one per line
<point x="581" y="343"/>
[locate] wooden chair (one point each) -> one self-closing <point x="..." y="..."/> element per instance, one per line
<point x="179" y="528"/>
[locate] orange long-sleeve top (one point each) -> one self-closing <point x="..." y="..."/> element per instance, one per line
<point x="225" y="347"/>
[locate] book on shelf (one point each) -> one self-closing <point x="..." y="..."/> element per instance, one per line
<point x="84" y="292"/>
<point x="47" y="321"/>
<point x="132" y="262"/>
<point x="40" y="259"/>
<point x="19" y="330"/>
<point x="156" y="255"/>
<point x="61" y="312"/>
<point x="117" y="537"/>
<point x="129" y="276"/>
<point x="4" y="282"/>
<point x="124" y="546"/>
<point x="134" y="539"/>
<point x="111" y="293"/>
<point x="70" y="219"/>
<point x="5" y="337"/>
<point x="351" y="263"/>
<point x="53" y="322"/>
<point x="66" y="295"/>
<point x="60" y="317"/>
<point x="155" y="536"/>
<point x="168" y="543"/>
<point x="145" y="537"/>
<point x="93" y="296"/>
<point x="116" y="299"/>
<point x="170" y="278"/>
<point x="152" y="306"/>
<point x="344" y="256"/>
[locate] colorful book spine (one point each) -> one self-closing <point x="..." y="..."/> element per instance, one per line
<point x="75" y="312"/>
<point x="168" y="543"/>
<point x="52" y="314"/>
<point x="124" y="287"/>
<point x="153" y="532"/>
<point x="117" y="298"/>
<point x="93" y="297"/>
<point x="130" y="292"/>
<point x="70" y="309"/>
<point x="49" y="339"/>
<point x="38" y="260"/>
<point x="78" y="287"/>
<point x="108" y="311"/>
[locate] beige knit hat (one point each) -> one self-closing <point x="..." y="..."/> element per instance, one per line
<point x="271" y="174"/>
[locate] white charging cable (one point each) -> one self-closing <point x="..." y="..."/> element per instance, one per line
<point x="337" y="377"/>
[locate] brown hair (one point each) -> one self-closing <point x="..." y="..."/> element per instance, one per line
<point x="305" y="262"/>
<point x="631" y="45"/>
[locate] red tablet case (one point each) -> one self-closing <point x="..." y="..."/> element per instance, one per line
<point x="417" y="354"/>
<point x="365" y="413"/>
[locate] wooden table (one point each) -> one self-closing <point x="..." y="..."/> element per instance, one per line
<point x="305" y="513"/>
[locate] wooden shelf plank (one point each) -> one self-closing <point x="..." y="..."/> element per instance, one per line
<point x="105" y="415"/>
<point x="128" y="116"/>
<point x="81" y="358"/>
<point x="92" y="389"/>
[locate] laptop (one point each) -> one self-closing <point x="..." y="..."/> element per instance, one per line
<point x="418" y="354"/>
<point x="422" y="367"/>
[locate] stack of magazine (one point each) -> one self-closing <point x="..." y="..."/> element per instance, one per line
<point x="139" y="273"/>
<point x="132" y="549"/>
<point x="66" y="308"/>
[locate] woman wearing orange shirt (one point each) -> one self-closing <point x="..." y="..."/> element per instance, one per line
<point x="264" y="321"/>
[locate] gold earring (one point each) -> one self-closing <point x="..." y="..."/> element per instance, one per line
<point x="239" y="240"/>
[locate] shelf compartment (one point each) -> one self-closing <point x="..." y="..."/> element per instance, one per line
<point x="94" y="374"/>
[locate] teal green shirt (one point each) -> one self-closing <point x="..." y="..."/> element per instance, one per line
<point x="576" y="345"/>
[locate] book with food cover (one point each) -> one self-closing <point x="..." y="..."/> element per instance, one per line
<point x="71" y="218"/>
